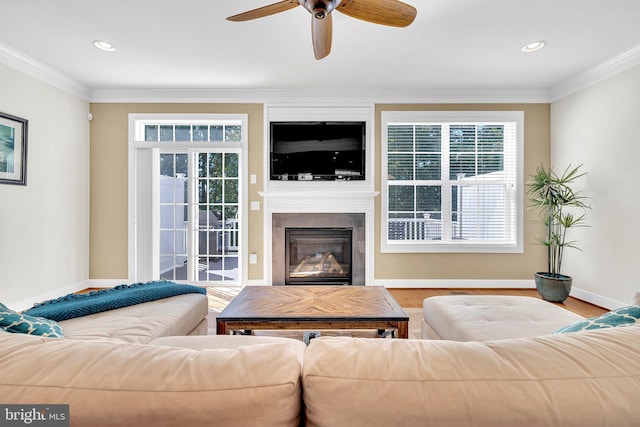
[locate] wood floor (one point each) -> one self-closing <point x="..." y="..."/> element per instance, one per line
<point x="413" y="298"/>
<point x="219" y="297"/>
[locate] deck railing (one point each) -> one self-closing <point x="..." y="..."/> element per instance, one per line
<point x="417" y="229"/>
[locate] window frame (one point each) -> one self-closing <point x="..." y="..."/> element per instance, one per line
<point x="451" y="117"/>
<point x="143" y="193"/>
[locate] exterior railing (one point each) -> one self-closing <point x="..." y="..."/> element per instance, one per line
<point x="417" y="229"/>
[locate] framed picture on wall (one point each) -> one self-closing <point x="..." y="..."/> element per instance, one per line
<point x="13" y="150"/>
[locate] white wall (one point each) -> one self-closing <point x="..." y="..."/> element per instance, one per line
<point x="44" y="226"/>
<point x="598" y="127"/>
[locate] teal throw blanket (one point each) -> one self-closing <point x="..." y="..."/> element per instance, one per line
<point x="76" y="305"/>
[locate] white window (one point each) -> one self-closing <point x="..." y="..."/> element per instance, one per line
<point x="452" y="181"/>
<point x="186" y="203"/>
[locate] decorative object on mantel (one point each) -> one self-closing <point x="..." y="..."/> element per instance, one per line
<point x="13" y="149"/>
<point x="393" y="13"/>
<point x="557" y="203"/>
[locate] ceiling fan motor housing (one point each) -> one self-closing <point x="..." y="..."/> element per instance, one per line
<point x="393" y="13"/>
<point x="319" y="8"/>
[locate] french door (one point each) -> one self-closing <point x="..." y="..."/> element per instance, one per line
<point x="198" y="207"/>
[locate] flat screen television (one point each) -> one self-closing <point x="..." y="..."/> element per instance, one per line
<point x="317" y="151"/>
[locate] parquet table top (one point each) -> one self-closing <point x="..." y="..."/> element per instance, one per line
<point x="320" y="307"/>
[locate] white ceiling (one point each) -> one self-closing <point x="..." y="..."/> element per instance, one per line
<point x="453" y="46"/>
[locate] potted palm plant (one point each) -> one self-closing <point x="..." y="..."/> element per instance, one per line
<point x="560" y="208"/>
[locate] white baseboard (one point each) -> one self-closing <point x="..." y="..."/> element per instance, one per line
<point x="52" y="294"/>
<point x="256" y="283"/>
<point x="598" y="300"/>
<point x="106" y="283"/>
<point x="455" y="283"/>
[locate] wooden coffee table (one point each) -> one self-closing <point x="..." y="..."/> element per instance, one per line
<point x="314" y="308"/>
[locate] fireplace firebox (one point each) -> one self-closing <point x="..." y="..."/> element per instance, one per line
<point x="318" y="256"/>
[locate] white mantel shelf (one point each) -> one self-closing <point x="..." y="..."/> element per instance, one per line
<point x="318" y="201"/>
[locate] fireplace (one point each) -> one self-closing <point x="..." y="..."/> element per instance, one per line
<point x="318" y="256"/>
<point x="324" y="248"/>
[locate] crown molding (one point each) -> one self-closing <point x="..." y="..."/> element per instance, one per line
<point x="615" y="65"/>
<point x="369" y="96"/>
<point x="29" y="66"/>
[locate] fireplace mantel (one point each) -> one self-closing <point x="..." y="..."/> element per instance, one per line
<point x="319" y="201"/>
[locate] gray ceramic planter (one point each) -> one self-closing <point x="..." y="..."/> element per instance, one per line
<point x="553" y="288"/>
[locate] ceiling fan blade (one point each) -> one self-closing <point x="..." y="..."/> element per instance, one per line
<point x="322" y="34"/>
<point x="265" y="11"/>
<point x="386" y="12"/>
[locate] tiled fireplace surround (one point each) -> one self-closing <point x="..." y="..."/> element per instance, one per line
<point x="321" y="209"/>
<point x="353" y="221"/>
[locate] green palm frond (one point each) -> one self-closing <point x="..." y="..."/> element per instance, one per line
<point x="551" y="194"/>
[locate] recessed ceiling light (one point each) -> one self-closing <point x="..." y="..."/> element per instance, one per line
<point x="102" y="45"/>
<point x="533" y="46"/>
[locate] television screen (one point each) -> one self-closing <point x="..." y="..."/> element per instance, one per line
<point x="308" y="151"/>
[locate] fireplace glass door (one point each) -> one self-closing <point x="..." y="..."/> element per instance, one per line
<point x="318" y="256"/>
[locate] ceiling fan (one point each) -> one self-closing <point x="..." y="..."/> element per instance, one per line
<point x="386" y="12"/>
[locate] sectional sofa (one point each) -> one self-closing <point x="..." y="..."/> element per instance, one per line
<point x="151" y="364"/>
<point x="135" y="367"/>
<point x="580" y="379"/>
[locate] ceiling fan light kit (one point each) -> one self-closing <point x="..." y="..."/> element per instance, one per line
<point x="384" y="12"/>
<point x="320" y="8"/>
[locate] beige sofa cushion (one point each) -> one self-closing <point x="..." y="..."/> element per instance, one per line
<point x="141" y="323"/>
<point x="114" y="384"/>
<point x="490" y="317"/>
<point x="586" y="379"/>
